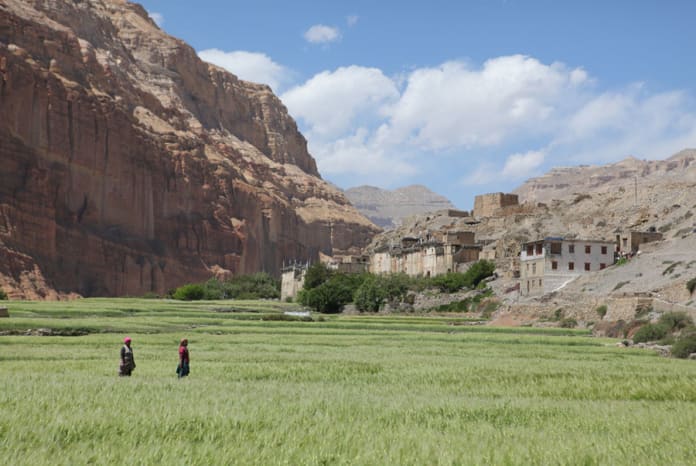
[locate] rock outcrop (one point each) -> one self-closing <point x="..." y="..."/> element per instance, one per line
<point x="131" y="166"/>
<point x="388" y="208"/>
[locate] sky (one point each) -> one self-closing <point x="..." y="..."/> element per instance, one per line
<point x="465" y="97"/>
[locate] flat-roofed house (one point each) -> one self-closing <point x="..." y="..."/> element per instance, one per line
<point x="550" y="263"/>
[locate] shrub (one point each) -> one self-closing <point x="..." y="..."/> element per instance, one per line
<point x="332" y="295"/>
<point x="568" y="322"/>
<point x="691" y="285"/>
<point x="255" y="286"/>
<point x="3" y="295"/>
<point x="450" y="282"/>
<point x="650" y="332"/>
<point x="478" y="272"/>
<point x="685" y="345"/>
<point x="316" y="275"/>
<point x="601" y="311"/>
<point x="190" y="292"/>
<point x="371" y="294"/>
<point x="676" y="320"/>
<point x="620" y="285"/>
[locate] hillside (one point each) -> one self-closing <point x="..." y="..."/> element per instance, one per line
<point x="131" y="166"/>
<point x="388" y="208"/>
<point x="595" y="202"/>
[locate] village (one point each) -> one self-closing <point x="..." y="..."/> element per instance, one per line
<point x="537" y="266"/>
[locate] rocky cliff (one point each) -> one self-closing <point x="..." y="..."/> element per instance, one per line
<point x="131" y="166"/>
<point x="388" y="208"/>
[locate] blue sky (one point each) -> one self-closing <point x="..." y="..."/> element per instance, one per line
<point x="464" y="97"/>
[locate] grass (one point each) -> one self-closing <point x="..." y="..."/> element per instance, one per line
<point x="348" y="390"/>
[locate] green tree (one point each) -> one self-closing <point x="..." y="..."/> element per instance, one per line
<point x="316" y="275"/>
<point x="478" y="272"/>
<point x="3" y="295"/>
<point x="332" y="295"/>
<point x="371" y="294"/>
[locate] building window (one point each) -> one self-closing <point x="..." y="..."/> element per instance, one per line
<point x="588" y="249"/>
<point x="527" y="266"/>
<point x="604" y="249"/>
<point x="539" y="248"/>
<point x="587" y="266"/>
<point x="571" y="248"/>
<point x="556" y="248"/>
<point x="540" y="282"/>
<point x="534" y="269"/>
<point x="602" y="266"/>
<point x="571" y="265"/>
<point x="554" y="265"/>
<point x="530" y="250"/>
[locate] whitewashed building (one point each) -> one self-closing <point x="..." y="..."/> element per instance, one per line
<point x="550" y="263"/>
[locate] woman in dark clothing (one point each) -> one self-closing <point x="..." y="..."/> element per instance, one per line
<point x="183" y="368"/>
<point x="127" y="360"/>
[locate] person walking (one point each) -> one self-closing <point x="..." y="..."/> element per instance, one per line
<point x="183" y="369"/>
<point x="127" y="360"/>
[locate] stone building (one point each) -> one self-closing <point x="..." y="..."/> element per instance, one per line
<point x="630" y="241"/>
<point x="292" y="280"/>
<point x="436" y="255"/>
<point x="550" y="263"/>
<point x="493" y="204"/>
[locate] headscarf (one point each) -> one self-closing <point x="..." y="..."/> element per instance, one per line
<point x="184" y="342"/>
<point x="127" y="340"/>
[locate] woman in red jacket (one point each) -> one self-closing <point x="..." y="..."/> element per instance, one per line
<point x="183" y="368"/>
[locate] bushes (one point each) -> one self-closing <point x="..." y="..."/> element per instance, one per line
<point x="371" y="294"/>
<point x="3" y="295"/>
<point x="651" y="332"/>
<point x="676" y="320"/>
<point x="331" y="295"/>
<point x="601" y="311"/>
<point x="691" y="285"/>
<point x="190" y="292"/>
<point x="685" y="345"/>
<point x="453" y="281"/>
<point x="255" y="286"/>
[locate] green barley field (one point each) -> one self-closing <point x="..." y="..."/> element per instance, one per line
<point x="337" y="390"/>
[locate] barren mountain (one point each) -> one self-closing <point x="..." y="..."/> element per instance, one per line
<point x="630" y="175"/>
<point x="596" y="202"/>
<point x="129" y="165"/>
<point x="388" y="208"/>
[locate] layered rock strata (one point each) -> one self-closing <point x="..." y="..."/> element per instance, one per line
<point x="131" y="166"/>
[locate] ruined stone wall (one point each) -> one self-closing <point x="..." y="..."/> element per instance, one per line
<point x="490" y="205"/>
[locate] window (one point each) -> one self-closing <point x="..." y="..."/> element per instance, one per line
<point x="554" y="265"/>
<point x="555" y="248"/>
<point x="571" y="265"/>
<point x="602" y="266"/>
<point x="534" y="268"/>
<point x="540" y="282"/>
<point x="539" y="248"/>
<point x="588" y="249"/>
<point x="571" y="248"/>
<point x="587" y="266"/>
<point x="530" y="249"/>
<point x="604" y="249"/>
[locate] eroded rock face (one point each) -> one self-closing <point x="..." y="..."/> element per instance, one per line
<point x="131" y="166"/>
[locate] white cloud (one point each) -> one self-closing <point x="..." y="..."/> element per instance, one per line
<point x="522" y="165"/>
<point x="454" y="105"/>
<point x="321" y="34"/>
<point x="158" y="18"/>
<point x="365" y="127"/>
<point x="250" y="66"/>
<point x="331" y="103"/>
<point x="352" y="20"/>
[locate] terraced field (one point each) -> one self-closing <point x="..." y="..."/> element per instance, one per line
<point x="267" y="388"/>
